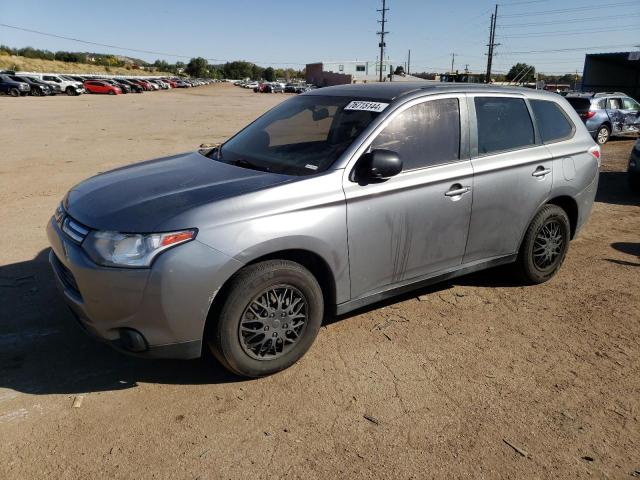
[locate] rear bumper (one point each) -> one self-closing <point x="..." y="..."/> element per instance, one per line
<point x="159" y="312"/>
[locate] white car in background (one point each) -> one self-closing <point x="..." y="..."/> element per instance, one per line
<point x="70" y="87"/>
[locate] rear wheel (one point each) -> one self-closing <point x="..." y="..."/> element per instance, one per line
<point x="545" y="245"/>
<point x="603" y="134"/>
<point x="271" y="316"/>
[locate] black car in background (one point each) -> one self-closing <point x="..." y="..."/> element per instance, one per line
<point x="134" y="87"/>
<point x="38" y="89"/>
<point x="9" y="86"/>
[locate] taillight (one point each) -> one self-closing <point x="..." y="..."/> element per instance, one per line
<point x="595" y="153"/>
<point x="587" y="115"/>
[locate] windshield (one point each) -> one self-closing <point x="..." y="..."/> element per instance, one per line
<point x="301" y="136"/>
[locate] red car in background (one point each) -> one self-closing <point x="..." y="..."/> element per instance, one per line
<point x="95" y="86"/>
<point x="170" y="82"/>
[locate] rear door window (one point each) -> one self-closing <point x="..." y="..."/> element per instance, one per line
<point x="614" y="103"/>
<point x="424" y="135"/>
<point x="503" y="124"/>
<point x="551" y="120"/>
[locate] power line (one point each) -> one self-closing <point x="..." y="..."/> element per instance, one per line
<point x="571" y="20"/>
<point x="597" y="47"/>
<point x="88" y="42"/>
<point x="510" y="4"/>
<point x="561" y="33"/>
<point x="567" y="10"/>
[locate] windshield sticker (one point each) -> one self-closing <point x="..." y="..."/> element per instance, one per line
<point x="311" y="167"/>
<point x="366" y="106"/>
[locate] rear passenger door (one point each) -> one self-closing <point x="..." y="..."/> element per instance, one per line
<point x="512" y="174"/>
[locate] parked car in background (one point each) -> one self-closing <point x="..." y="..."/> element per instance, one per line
<point x="607" y="114"/>
<point x="38" y="89"/>
<point x="97" y="86"/>
<point x="122" y="86"/>
<point x="633" y="169"/>
<point x="12" y="87"/>
<point x="70" y="87"/>
<point x="242" y="248"/>
<point x="134" y="86"/>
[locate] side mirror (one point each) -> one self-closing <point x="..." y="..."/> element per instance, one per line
<point x="379" y="165"/>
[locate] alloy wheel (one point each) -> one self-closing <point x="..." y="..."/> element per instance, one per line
<point x="603" y="136"/>
<point x="548" y="245"/>
<point x="273" y="322"/>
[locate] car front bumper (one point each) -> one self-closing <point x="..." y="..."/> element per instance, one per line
<point x="157" y="312"/>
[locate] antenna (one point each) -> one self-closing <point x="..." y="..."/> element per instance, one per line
<point x="382" y="33"/>
<point x="453" y="59"/>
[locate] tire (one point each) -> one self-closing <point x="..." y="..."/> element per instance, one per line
<point x="603" y="134"/>
<point x="540" y="258"/>
<point x="111" y="92"/>
<point x="70" y="91"/>
<point x="242" y="338"/>
<point x="14" y="92"/>
<point x="36" y="92"/>
<point x="634" y="182"/>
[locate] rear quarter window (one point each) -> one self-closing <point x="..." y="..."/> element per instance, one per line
<point x="551" y="120"/>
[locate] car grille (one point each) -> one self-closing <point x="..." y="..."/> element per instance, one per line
<point x="66" y="276"/>
<point x="74" y="230"/>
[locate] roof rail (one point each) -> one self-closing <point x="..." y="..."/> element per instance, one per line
<point x="602" y="94"/>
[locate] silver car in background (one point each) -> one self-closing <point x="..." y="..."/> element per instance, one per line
<point x="333" y="200"/>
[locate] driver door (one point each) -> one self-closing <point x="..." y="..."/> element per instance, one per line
<point x="414" y="224"/>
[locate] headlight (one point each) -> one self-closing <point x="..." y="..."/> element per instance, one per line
<point x="114" y="249"/>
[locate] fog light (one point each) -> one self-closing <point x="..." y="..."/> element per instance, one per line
<point x="132" y="340"/>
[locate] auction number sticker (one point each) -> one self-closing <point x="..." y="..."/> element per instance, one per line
<point x="366" y="106"/>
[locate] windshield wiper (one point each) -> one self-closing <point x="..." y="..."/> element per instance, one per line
<point x="243" y="162"/>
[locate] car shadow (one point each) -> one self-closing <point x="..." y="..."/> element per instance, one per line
<point x="613" y="188"/>
<point x="630" y="248"/>
<point x="44" y="351"/>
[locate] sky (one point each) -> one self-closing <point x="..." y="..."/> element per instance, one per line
<point x="292" y="33"/>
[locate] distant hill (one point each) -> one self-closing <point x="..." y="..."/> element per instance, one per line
<point x="15" y="62"/>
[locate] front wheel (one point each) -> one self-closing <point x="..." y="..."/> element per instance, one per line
<point x="271" y="316"/>
<point x="111" y="92"/>
<point x="14" y="92"/>
<point x="545" y="245"/>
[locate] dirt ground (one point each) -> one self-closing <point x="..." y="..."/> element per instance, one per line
<point x="475" y="378"/>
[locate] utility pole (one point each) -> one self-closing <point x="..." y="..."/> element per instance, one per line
<point x="492" y="43"/>
<point x="466" y="68"/>
<point x="382" y="33"/>
<point x="409" y="62"/>
<point x="453" y="59"/>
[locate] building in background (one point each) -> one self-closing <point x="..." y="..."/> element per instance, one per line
<point x="324" y="74"/>
<point x="612" y="72"/>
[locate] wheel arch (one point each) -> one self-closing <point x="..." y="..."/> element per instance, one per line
<point x="570" y="206"/>
<point x="313" y="262"/>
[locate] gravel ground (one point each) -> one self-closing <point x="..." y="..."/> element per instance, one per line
<point x="475" y="378"/>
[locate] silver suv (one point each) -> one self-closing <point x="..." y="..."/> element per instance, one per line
<point x="333" y="200"/>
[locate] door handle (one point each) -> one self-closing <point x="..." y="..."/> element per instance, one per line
<point x="541" y="171"/>
<point x="456" y="190"/>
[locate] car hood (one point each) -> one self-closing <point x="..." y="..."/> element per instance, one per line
<point x="138" y="198"/>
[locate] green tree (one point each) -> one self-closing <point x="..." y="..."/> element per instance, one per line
<point x="237" y="70"/>
<point x="521" y="72"/>
<point x="197" y="67"/>
<point x="269" y="74"/>
<point x="257" y="72"/>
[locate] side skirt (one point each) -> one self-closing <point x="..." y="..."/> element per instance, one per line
<point x="419" y="282"/>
